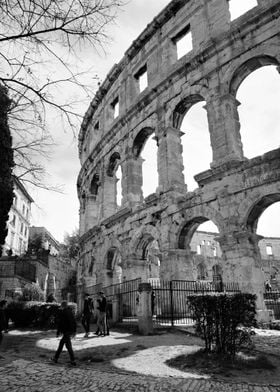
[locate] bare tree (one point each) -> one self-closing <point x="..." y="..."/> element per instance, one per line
<point x="39" y="45"/>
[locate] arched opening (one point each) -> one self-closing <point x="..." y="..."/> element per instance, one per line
<point x="148" y="250"/>
<point x="145" y="147"/>
<point x="199" y="236"/>
<point x="94" y="185"/>
<point x="119" y="185"/>
<point x="113" y="267"/>
<point x="113" y="188"/>
<point x="257" y="87"/>
<point x="191" y="118"/>
<point x="263" y="220"/>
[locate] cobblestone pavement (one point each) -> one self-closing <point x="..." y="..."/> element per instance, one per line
<point x="25" y="366"/>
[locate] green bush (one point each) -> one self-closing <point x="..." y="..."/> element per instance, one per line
<point x="32" y="292"/>
<point x="222" y="320"/>
<point x="36" y="314"/>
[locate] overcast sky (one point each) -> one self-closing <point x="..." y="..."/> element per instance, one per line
<point x="259" y="95"/>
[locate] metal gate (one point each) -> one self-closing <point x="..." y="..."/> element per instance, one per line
<point x="125" y="294"/>
<point x="169" y="299"/>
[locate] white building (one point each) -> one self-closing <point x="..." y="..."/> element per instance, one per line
<point x="19" y="221"/>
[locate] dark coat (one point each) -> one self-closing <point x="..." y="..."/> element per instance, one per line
<point x="88" y="306"/>
<point x="3" y="320"/>
<point x="66" y="323"/>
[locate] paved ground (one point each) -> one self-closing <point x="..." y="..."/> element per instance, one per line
<point x="120" y="362"/>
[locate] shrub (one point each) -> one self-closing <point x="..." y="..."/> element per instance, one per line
<point x="222" y="319"/>
<point x="37" y="314"/>
<point x="32" y="292"/>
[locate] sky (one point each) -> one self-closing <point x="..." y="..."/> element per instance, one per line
<point x="259" y="117"/>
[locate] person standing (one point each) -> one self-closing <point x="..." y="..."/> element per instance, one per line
<point x="3" y="320"/>
<point x="102" y="307"/>
<point x="88" y="308"/>
<point x="67" y="327"/>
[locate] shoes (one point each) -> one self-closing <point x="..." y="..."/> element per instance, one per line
<point x="54" y="360"/>
<point x="73" y="363"/>
<point x="86" y="335"/>
<point x="96" y="333"/>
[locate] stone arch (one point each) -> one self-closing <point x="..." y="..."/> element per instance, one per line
<point x="194" y="219"/>
<point x="183" y="107"/>
<point x="114" y="161"/>
<point x="258" y="207"/>
<point x="180" y="105"/>
<point x="112" y="263"/>
<point x="142" y="238"/>
<point x="94" y="185"/>
<point x="140" y="140"/>
<point x="245" y="68"/>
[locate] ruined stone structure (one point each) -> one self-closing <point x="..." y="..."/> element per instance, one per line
<point x="142" y="235"/>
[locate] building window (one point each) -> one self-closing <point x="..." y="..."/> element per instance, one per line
<point x="23" y="209"/>
<point x="13" y="221"/>
<point x="96" y="127"/>
<point x="214" y="251"/>
<point x="21" y="228"/>
<point x="142" y="78"/>
<point x="12" y="239"/>
<point x="238" y="8"/>
<point x="198" y="249"/>
<point x="15" y="200"/>
<point x="183" y="42"/>
<point x="269" y="251"/>
<point x="203" y="242"/>
<point x="25" y="231"/>
<point x="115" y="106"/>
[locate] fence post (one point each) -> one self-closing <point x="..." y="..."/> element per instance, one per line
<point x="171" y="302"/>
<point x="144" y="309"/>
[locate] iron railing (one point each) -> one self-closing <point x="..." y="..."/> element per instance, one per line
<point x="169" y="299"/>
<point x="272" y="302"/>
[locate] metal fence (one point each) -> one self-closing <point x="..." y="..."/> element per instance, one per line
<point x="272" y="302"/>
<point x="169" y="299"/>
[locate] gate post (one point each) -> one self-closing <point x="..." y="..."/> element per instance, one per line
<point x="115" y="309"/>
<point x="144" y="309"/>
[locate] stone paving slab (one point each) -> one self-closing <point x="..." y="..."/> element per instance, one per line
<point x="24" y="369"/>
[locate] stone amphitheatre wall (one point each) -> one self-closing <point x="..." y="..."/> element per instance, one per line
<point x="233" y="194"/>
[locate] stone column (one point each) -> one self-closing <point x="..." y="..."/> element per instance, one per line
<point x="177" y="264"/>
<point x="144" y="309"/>
<point x="242" y="265"/>
<point x="224" y="129"/>
<point x="91" y="212"/>
<point x="132" y="181"/>
<point x="170" y="161"/>
<point x="218" y="17"/>
<point x="109" y="196"/>
<point x="115" y="309"/>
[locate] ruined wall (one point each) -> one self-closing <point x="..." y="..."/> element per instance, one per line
<point x="232" y="194"/>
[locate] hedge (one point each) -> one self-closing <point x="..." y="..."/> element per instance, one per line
<point x="222" y="320"/>
<point x="36" y="314"/>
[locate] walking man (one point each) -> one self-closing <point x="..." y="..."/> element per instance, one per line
<point x="88" y="308"/>
<point x="67" y="327"/>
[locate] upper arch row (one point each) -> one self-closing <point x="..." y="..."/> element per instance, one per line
<point x="121" y="92"/>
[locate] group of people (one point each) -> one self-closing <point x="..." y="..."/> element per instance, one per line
<point x="100" y="311"/>
<point x="66" y="323"/>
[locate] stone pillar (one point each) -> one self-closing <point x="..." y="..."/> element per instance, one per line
<point x="224" y="129"/>
<point x="144" y="309"/>
<point x="243" y="265"/>
<point x="177" y="264"/>
<point x="115" y="310"/>
<point x="218" y="17"/>
<point x="132" y="181"/>
<point x="91" y="212"/>
<point x="109" y="196"/>
<point x="170" y="161"/>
